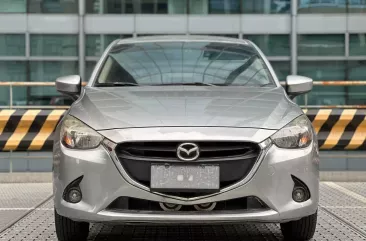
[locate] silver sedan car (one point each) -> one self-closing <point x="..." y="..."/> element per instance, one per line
<point x="184" y="130"/>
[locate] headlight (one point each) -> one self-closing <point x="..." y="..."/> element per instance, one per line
<point x="296" y="134"/>
<point x="77" y="135"/>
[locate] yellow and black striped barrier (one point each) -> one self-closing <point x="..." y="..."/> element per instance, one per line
<point x="33" y="130"/>
<point x="28" y="130"/>
<point x="339" y="129"/>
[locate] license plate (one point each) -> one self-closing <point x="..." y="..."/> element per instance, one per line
<point x="180" y="178"/>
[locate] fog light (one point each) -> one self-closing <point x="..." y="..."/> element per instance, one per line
<point x="299" y="194"/>
<point x="74" y="195"/>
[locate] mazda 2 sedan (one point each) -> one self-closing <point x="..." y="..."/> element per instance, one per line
<point x="184" y="130"/>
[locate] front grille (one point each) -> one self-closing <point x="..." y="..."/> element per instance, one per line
<point x="168" y="150"/>
<point x="235" y="159"/>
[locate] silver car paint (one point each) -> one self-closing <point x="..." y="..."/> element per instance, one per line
<point x="133" y="113"/>
<point x="153" y="106"/>
<point x="103" y="182"/>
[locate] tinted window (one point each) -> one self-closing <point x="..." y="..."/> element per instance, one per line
<point x="272" y="45"/>
<point x="319" y="6"/>
<point x="282" y="69"/>
<point x="12" y="45"/>
<point x="53" y="6"/>
<point x="139" y="7"/>
<point x="357" y="44"/>
<point x="266" y="6"/>
<point x="53" y="45"/>
<point x="13" y="6"/>
<point x="321" y="44"/>
<point x="184" y="63"/>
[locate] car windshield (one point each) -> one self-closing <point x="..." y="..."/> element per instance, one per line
<point x="184" y="63"/>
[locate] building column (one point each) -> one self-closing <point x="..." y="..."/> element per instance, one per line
<point x="293" y="37"/>
<point x="81" y="40"/>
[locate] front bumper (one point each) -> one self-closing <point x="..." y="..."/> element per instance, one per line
<point x="104" y="181"/>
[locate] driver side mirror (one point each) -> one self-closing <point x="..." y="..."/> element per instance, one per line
<point x="69" y="85"/>
<point x="298" y="85"/>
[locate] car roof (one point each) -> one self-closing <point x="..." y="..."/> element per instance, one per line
<point x="163" y="38"/>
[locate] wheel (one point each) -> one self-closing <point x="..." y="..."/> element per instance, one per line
<point x="69" y="230"/>
<point x="300" y="230"/>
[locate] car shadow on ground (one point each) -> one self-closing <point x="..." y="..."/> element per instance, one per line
<point x="246" y="232"/>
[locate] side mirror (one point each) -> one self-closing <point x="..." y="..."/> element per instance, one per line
<point x="69" y="85"/>
<point x="298" y="85"/>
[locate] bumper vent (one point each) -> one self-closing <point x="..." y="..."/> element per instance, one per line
<point x="122" y="204"/>
<point x="235" y="159"/>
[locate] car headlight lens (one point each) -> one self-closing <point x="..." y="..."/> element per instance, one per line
<point x="77" y="135"/>
<point x="296" y="134"/>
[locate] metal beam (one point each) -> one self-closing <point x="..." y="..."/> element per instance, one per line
<point x="81" y="39"/>
<point x="293" y="37"/>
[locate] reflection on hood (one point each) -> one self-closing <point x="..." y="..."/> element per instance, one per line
<point x="196" y="106"/>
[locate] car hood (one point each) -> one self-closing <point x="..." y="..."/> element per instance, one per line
<point x="184" y="106"/>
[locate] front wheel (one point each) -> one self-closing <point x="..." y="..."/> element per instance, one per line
<point x="69" y="230"/>
<point x="301" y="230"/>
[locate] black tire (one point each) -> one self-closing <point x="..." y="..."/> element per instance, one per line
<point x="69" y="230"/>
<point x="300" y="230"/>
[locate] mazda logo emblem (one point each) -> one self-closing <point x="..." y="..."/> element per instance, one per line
<point x="188" y="152"/>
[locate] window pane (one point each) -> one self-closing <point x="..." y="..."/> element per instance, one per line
<point x="94" y="43"/>
<point x="282" y="69"/>
<point x="321" y="44"/>
<point x="224" y="6"/>
<point x="12" y="45"/>
<point x="357" y="44"/>
<point x="52" y="6"/>
<point x="324" y="70"/>
<point x="13" y="6"/>
<point x="92" y="6"/>
<point x="46" y="95"/>
<point x="214" y="6"/>
<point x="142" y="6"/>
<point x="324" y="95"/>
<point x="54" y="45"/>
<point x="310" y="6"/>
<point x="356" y="71"/>
<point x="356" y="6"/>
<point x="272" y="45"/>
<point x="12" y="71"/>
<point x="49" y="71"/>
<point x="198" y="6"/>
<point x="117" y="6"/>
<point x="266" y="6"/>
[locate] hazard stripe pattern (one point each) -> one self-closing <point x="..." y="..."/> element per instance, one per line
<point x="33" y="130"/>
<point x="339" y="129"/>
<point x="28" y="130"/>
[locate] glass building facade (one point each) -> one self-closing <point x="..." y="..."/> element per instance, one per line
<point x="41" y="40"/>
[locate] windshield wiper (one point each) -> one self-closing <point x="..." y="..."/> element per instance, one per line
<point x="109" y="84"/>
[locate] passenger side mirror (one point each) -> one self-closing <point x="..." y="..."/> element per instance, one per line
<point x="69" y="85"/>
<point x="298" y="85"/>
